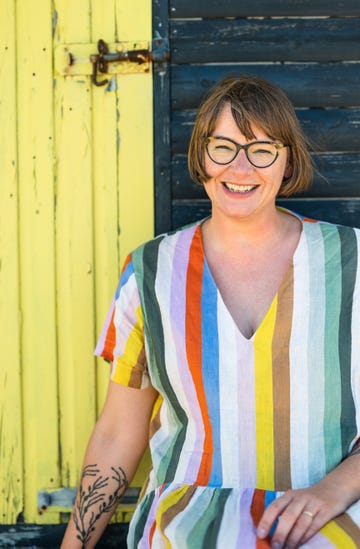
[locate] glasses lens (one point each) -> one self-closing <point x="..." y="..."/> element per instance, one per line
<point x="221" y="151"/>
<point x="262" y="154"/>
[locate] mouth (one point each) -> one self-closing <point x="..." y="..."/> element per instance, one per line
<point x="239" y="189"/>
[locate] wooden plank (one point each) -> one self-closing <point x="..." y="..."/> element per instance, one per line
<point x="74" y="247"/>
<point x="252" y="40"/>
<point x="328" y="129"/>
<point x="340" y="176"/>
<point x="334" y="210"/>
<point x="307" y="84"/>
<point x="135" y="158"/>
<point x="105" y="122"/>
<point x="162" y="139"/>
<point x="37" y="267"/>
<point x="262" y="8"/>
<point x="11" y="440"/>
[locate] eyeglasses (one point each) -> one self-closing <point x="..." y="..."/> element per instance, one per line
<point x="260" y="154"/>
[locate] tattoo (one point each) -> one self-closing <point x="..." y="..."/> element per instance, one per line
<point x="92" y="502"/>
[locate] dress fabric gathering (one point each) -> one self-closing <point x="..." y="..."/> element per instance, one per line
<point x="239" y="421"/>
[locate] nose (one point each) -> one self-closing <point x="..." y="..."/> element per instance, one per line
<point x="241" y="162"/>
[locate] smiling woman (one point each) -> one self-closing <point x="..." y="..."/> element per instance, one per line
<point x="234" y="348"/>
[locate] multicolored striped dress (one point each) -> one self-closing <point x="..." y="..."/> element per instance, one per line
<point x="239" y="421"/>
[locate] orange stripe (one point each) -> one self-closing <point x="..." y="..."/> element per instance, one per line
<point x="110" y="340"/>
<point x="193" y="347"/>
<point x="126" y="262"/>
<point x="257" y="510"/>
<point x="151" y="533"/>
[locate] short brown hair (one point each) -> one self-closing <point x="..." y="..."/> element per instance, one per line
<point x="253" y="101"/>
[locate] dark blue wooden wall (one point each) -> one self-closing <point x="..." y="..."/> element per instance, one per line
<point x="310" y="48"/>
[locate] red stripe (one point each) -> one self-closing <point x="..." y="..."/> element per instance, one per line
<point x="126" y="262"/>
<point x="110" y="340"/>
<point x="193" y="347"/>
<point x="151" y="533"/>
<point x="257" y="510"/>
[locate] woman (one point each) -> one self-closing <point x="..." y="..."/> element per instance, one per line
<point x="240" y="330"/>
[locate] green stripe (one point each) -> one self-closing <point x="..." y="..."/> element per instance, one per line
<point x="332" y="381"/>
<point x="204" y="533"/>
<point x="145" y="261"/>
<point x="315" y="351"/>
<point x="137" y="529"/>
<point x="213" y="528"/>
<point x="349" y="261"/>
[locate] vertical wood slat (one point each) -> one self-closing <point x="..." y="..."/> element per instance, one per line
<point x="11" y="485"/>
<point x="74" y="247"/>
<point x="105" y="186"/>
<point x="37" y="276"/>
<point x="135" y="160"/>
<point x="162" y="134"/>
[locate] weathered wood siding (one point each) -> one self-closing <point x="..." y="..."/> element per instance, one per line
<point x="310" y="48"/>
<point x="76" y="197"/>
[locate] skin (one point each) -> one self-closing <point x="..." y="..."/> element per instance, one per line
<point x="265" y="235"/>
<point x="250" y="222"/>
<point x="114" y="445"/>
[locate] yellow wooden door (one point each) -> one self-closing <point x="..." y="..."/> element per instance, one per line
<point x="76" y="196"/>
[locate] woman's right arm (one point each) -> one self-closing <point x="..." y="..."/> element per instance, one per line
<point x="116" y="446"/>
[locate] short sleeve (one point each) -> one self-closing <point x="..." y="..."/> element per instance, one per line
<point x="122" y="339"/>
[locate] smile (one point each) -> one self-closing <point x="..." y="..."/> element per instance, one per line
<point x="240" y="189"/>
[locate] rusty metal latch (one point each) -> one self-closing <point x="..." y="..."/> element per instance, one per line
<point x="114" y="58"/>
<point x="100" y="60"/>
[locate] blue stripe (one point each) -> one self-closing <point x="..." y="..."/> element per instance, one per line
<point x="125" y="275"/>
<point x="210" y="367"/>
<point x="270" y="496"/>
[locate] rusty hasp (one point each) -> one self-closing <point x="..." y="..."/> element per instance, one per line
<point x="101" y="60"/>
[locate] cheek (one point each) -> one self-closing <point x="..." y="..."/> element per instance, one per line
<point x="213" y="170"/>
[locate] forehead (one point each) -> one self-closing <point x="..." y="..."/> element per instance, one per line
<point x="227" y="126"/>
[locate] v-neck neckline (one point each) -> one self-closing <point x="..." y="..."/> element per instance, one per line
<point x="283" y="281"/>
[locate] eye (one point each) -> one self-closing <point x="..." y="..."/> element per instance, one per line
<point x="262" y="149"/>
<point x="223" y="147"/>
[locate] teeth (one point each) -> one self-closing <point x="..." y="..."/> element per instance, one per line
<point x="238" y="188"/>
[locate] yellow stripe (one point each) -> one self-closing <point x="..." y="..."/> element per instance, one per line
<point x="264" y="400"/>
<point x="156" y="407"/>
<point x="133" y="346"/>
<point x="171" y="500"/>
<point x="337" y="536"/>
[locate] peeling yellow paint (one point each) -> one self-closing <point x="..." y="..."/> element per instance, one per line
<point x="75" y="159"/>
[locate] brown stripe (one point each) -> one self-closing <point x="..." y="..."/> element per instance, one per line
<point x="281" y="383"/>
<point x="346" y="523"/>
<point x="138" y="371"/>
<point x="175" y="509"/>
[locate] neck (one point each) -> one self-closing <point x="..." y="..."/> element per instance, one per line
<point x="260" y="230"/>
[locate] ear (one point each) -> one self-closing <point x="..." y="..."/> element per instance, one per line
<point x="288" y="170"/>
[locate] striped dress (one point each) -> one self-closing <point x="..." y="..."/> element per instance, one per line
<point x="239" y="421"/>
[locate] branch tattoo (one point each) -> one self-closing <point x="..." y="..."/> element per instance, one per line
<point x="93" y="502"/>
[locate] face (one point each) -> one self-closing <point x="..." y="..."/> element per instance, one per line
<point x="239" y="189"/>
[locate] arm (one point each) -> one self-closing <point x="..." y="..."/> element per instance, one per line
<point x="115" y="448"/>
<point x="304" y="512"/>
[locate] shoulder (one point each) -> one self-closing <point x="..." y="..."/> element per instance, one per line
<point x="167" y="242"/>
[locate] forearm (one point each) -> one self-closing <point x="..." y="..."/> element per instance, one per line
<point x="103" y="481"/>
<point x="115" y="449"/>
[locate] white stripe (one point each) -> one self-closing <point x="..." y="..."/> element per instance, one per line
<point x="355" y="351"/>
<point x="298" y="374"/>
<point x="228" y="389"/>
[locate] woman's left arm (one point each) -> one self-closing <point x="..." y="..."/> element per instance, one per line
<point x="303" y="512"/>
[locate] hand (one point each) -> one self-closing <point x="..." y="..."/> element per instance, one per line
<point x="301" y="514"/>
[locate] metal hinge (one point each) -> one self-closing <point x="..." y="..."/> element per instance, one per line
<point x="115" y="58"/>
<point x="63" y="499"/>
